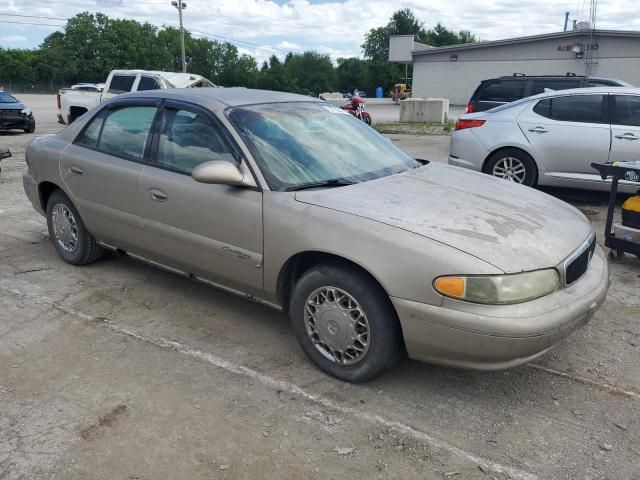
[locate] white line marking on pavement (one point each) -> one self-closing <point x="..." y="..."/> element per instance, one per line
<point x="232" y="367"/>
<point x="586" y="381"/>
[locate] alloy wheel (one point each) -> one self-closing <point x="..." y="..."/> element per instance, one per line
<point x="510" y="168"/>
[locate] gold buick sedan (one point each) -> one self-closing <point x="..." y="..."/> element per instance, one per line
<point x="292" y="202"/>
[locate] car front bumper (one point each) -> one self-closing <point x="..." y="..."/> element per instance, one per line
<point x="494" y="337"/>
<point x="10" y="120"/>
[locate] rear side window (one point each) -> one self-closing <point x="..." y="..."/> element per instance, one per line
<point x="553" y="84"/>
<point x="122" y="132"/>
<point x="601" y="83"/>
<point x="148" y="83"/>
<point x="627" y="110"/>
<point x="121" y="83"/>
<point x="502" y="91"/>
<point x="578" y="108"/>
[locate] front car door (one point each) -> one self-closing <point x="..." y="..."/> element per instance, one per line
<point x="568" y="133"/>
<point x="625" y="128"/>
<point x="102" y="170"/>
<point x="213" y="232"/>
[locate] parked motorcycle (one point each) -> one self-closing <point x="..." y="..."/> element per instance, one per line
<point x="356" y="108"/>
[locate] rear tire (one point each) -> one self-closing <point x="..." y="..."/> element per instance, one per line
<point x="67" y="232"/>
<point x="345" y="322"/>
<point x="513" y="165"/>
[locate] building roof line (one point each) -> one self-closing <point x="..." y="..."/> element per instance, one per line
<point x="530" y="38"/>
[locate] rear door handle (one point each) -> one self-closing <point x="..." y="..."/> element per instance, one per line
<point x="627" y="136"/>
<point x="158" y="195"/>
<point x="538" y="130"/>
<point x="76" y="170"/>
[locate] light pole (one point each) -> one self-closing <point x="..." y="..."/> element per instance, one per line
<point x="180" y="5"/>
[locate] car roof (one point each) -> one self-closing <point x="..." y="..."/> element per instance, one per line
<point x="221" y="97"/>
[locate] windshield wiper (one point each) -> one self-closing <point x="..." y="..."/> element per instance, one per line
<point x="335" y="182"/>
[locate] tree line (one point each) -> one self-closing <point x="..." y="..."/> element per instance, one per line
<point x="93" y="44"/>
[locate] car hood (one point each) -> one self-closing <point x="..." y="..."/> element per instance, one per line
<point x="11" y="106"/>
<point x="513" y="227"/>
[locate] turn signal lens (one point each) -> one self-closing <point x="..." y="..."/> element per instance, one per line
<point x="499" y="289"/>
<point x="461" y="124"/>
<point x="450" y="286"/>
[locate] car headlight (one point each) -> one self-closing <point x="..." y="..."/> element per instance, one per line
<point x="26" y="111"/>
<point x="499" y="289"/>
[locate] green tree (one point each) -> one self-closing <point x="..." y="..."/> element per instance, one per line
<point x="310" y="72"/>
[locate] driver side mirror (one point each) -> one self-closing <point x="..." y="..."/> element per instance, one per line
<point x="223" y="172"/>
<point x="4" y="153"/>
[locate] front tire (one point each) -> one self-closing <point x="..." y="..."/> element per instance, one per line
<point x="67" y="232"/>
<point x="31" y="128"/>
<point x="345" y="322"/>
<point x="514" y="165"/>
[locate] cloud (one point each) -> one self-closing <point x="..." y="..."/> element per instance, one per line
<point x="336" y="27"/>
<point x="10" y="39"/>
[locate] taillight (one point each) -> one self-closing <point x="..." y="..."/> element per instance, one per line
<point x="59" y="105"/>
<point x="470" y="108"/>
<point x="461" y="124"/>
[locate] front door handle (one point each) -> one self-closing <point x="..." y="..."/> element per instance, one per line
<point x="538" y="130"/>
<point x="76" y="170"/>
<point x="627" y="136"/>
<point x="158" y="195"/>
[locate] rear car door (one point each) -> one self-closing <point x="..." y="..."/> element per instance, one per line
<point x="567" y="133"/>
<point x="213" y="232"/>
<point x="625" y="128"/>
<point x="102" y="170"/>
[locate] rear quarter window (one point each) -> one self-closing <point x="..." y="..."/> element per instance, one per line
<point x="502" y="91"/>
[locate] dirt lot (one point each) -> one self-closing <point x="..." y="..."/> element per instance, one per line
<point x="121" y="371"/>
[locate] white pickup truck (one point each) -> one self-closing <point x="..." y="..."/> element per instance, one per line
<point x="74" y="102"/>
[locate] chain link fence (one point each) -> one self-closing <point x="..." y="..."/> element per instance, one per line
<point x="36" y="87"/>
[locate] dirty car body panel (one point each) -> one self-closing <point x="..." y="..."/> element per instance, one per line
<point x="403" y="229"/>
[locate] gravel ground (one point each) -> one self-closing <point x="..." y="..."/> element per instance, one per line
<point x="121" y="371"/>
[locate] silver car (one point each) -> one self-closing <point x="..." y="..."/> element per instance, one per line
<point x="551" y="139"/>
<point x="293" y="202"/>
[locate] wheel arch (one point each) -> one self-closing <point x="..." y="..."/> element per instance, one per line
<point x="45" y="189"/>
<point x="300" y="262"/>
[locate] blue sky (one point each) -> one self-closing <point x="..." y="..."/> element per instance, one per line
<point x="336" y="27"/>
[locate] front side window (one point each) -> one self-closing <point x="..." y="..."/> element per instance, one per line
<point x="503" y="91"/>
<point x="627" y="110"/>
<point x="299" y="143"/>
<point x="121" y="83"/>
<point x="188" y="139"/>
<point x="577" y="108"/>
<point x="122" y="132"/>
<point x="148" y="83"/>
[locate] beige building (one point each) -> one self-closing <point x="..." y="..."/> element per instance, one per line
<point x="454" y="72"/>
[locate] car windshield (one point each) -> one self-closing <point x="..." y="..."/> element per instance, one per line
<point x="304" y="143"/>
<point x="5" y="97"/>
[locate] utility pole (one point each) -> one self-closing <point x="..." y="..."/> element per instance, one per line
<point x="180" y="5"/>
<point x="566" y="20"/>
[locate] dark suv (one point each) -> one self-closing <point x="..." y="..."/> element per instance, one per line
<point x="498" y="91"/>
